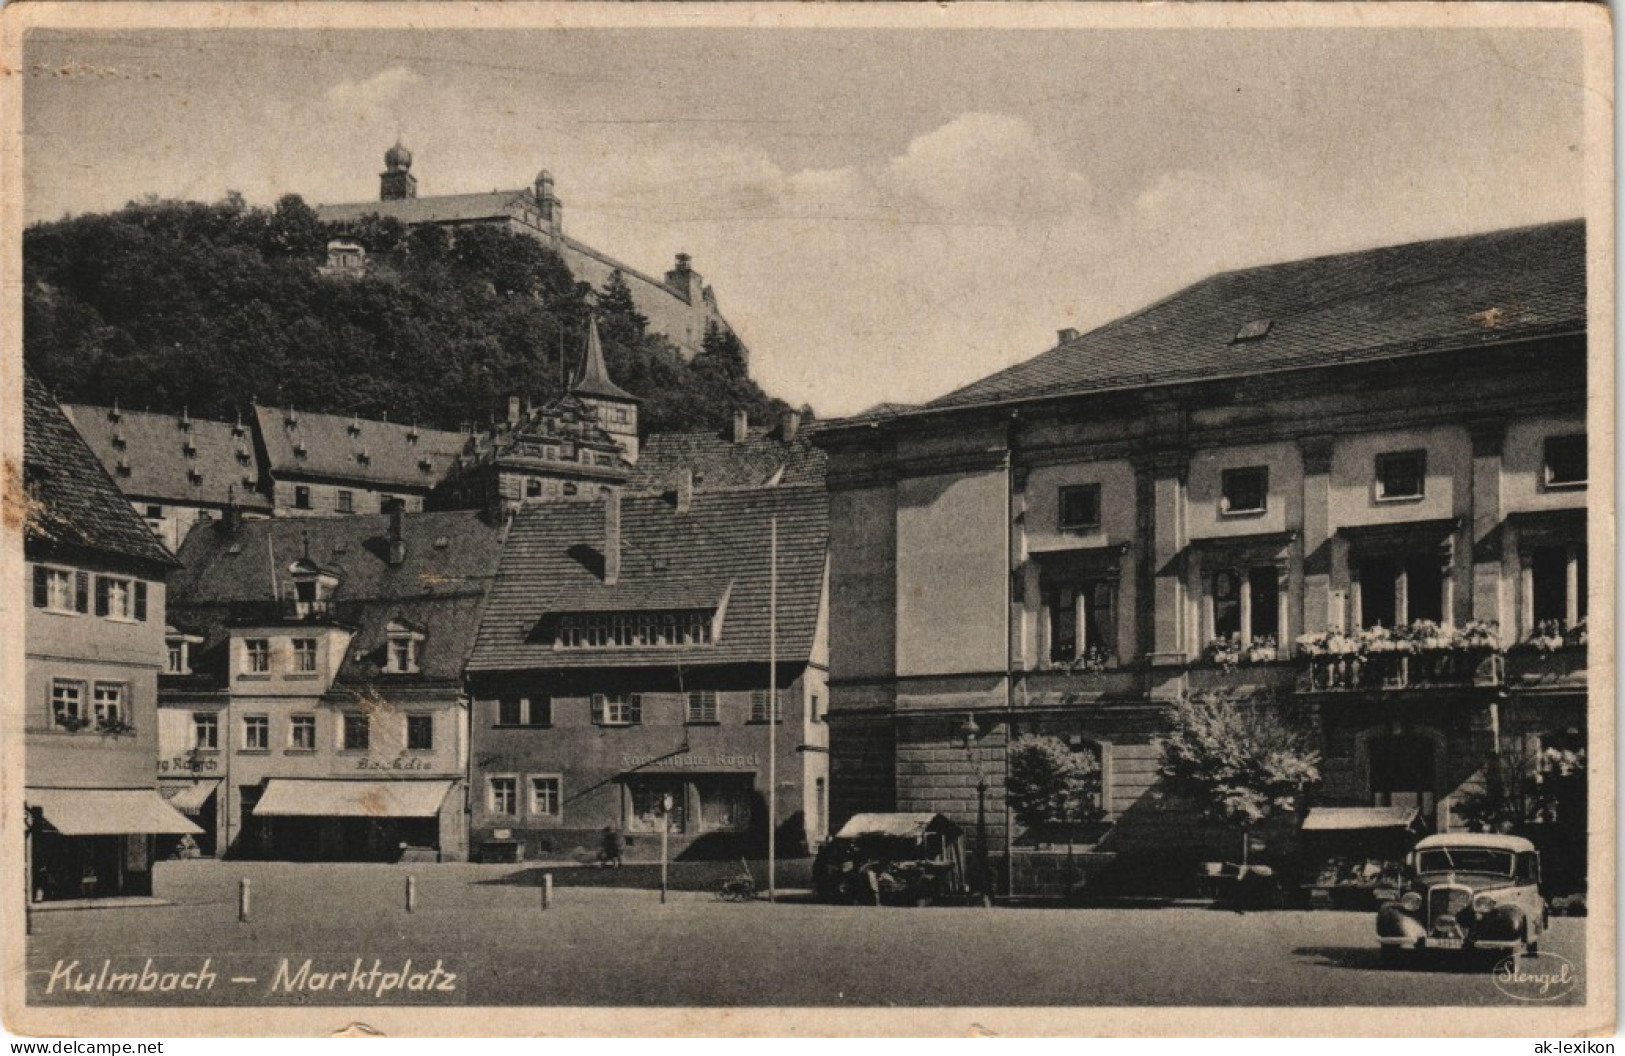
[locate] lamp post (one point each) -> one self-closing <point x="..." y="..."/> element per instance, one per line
<point x="665" y="838"/>
<point x="970" y="733"/>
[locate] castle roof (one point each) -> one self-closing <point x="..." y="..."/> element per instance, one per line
<point x="763" y="458"/>
<point x="72" y="504"/>
<point x="434" y="209"/>
<point x="339" y="447"/>
<point x="1451" y="293"/>
<point x="174" y="458"/>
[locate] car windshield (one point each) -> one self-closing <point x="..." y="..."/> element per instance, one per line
<point x="1465" y="860"/>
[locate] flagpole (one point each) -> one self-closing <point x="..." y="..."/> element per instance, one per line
<point x="772" y="707"/>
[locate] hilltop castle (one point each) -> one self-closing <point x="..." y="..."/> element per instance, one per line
<point x="680" y="305"/>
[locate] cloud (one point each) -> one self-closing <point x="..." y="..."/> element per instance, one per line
<point x="366" y="100"/>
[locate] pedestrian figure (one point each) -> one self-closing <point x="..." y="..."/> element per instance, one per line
<point x="609" y="852"/>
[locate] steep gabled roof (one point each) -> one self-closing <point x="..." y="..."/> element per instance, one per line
<point x="763" y="458"/>
<point x="72" y="503"/>
<point x="715" y="554"/>
<point x="223" y="465"/>
<point x="592" y="379"/>
<point x="396" y="455"/>
<point x="450" y="563"/>
<point x="1450" y="293"/>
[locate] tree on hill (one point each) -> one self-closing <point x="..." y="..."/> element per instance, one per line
<point x="165" y="304"/>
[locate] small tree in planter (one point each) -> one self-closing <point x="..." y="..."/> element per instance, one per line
<point x="1049" y="782"/>
<point x="1244" y="765"/>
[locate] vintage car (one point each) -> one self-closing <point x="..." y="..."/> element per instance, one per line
<point x="1466" y="891"/>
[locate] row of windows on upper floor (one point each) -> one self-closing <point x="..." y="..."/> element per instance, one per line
<point x="1397" y="476"/>
<point x="74" y="592"/>
<point x="74" y="704"/>
<point x="403" y="650"/>
<point x="353" y="733"/>
<point x="700" y="708"/>
<point x="343" y="500"/>
<point x="1243" y="607"/>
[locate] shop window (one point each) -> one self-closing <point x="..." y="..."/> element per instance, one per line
<point x="256" y="733"/>
<point x="645" y="799"/>
<point x="1565" y="461"/>
<point x="502" y="794"/>
<point x="725" y="803"/>
<point x="1080" y="508"/>
<point x="206" y="731"/>
<point x="702" y="707"/>
<point x="546" y="797"/>
<point x="1401" y="475"/>
<point x="302" y="733"/>
<point x="420" y="733"/>
<point x="1244" y="490"/>
<point x="357" y="732"/>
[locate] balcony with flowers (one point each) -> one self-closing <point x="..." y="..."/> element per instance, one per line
<point x="1421" y="654"/>
<point x="1552" y="656"/>
<point x="1230" y="664"/>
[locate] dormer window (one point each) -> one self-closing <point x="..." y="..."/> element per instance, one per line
<point x="312" y="587"/>
<point x="300" y="451"/>
<point x="404" y="649"/>
<point x="179" y="648"/>
<point x="1565" y="461"/>
<point x="123" y="467"/>
<point x="426" y="465"/>
<point x="243" y="457"/>
<point x="195" y="476"/>
<point x="354" y="428"/>
<point x="119" y="441"/>
<point x="363" y="457"/>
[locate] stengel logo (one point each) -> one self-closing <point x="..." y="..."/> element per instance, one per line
<point x="1543" y="977"/>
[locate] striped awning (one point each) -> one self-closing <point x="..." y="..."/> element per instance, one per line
<point x="351" y="799"/>
<point x="189" y="798"/>
<point x="108" y="812"/>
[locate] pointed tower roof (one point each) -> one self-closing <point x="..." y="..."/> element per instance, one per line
<point x="593" y="377"/>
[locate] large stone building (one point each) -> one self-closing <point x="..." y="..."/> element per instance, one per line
<point x="624" y="656"/>
<point x="1353" y="486"/>
<point x="680" y="305"/>
<point x="313" y="708"/>
<point x="93" y="640"/>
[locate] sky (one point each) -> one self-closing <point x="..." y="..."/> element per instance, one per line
<point x="883" y="214"/>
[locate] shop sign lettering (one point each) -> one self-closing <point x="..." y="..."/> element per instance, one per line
<point x="182" y="764"/>
<point x="738" y="759"/>
<point x="400" y="762"/>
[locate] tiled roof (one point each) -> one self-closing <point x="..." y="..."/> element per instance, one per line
<point x="1449" y="293"/>
<point x="334" y="445"/>
<point x="71" y="501"/>
<point x="436" y="209"/>
<point x="223" y="465"/>
<point x="554" y="559"/>
<point x="718" y="462"/>
<point x="227" y="575"/>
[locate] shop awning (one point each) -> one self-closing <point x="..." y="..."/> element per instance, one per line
<point x="189" y="799"/>
<point x="351" y="799"/>
<point x="108" y="812"/>
<point x="1349" y="819"/>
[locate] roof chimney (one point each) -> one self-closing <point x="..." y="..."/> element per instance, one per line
<point x="513" y="410"/>
<point x="741" y="426"/>
<point x="612" y="537"/>
<point x="789" y="425"/>
<point x="1065" y="334"/>
<point x="685" y="489"/>
<point x="397" y="539"/>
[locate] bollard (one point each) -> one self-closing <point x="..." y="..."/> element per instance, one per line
<point x="547" y="890"/>
<point x="242" y="900"/>
<point x="411" y="894"/>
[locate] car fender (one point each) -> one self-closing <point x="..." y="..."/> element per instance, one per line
<point x="1393" y="923"/>
<point x="1504" y="922"/>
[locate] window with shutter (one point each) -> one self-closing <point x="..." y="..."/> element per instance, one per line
<point x="42" y="590"/>
<point x="140" y="600"/>
<point x="101" y="596"/>
<point x="81" y="592"/>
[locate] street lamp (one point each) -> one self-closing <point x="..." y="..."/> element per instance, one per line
<point x="970" y="733"/>
<point x="665" y="837"/>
